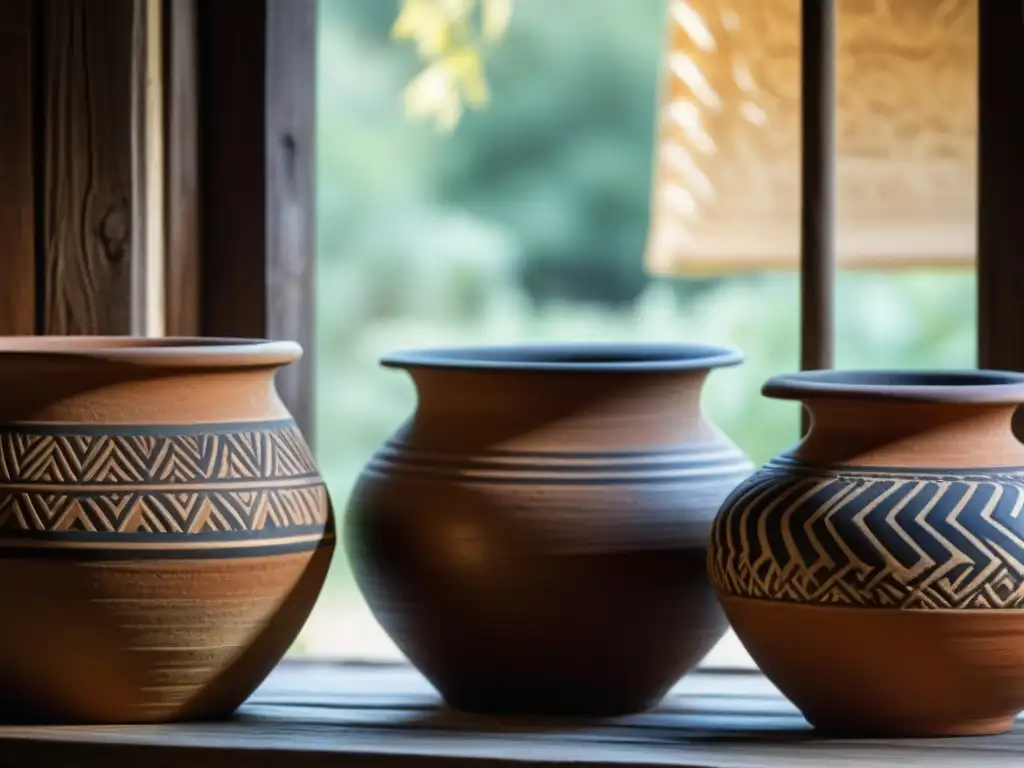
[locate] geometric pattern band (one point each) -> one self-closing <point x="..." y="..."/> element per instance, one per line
<point x="873" y="537"/>
<point x="123" y="483"/>
<point x="75" y="456"/>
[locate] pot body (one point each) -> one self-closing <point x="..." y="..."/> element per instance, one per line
<point x="875" y="572"/>
<point x="164" y="531"/>
<point x="535" y="540"/>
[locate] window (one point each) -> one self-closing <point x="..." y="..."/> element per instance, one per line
<point x="529" y="223"/>
<point x="184" y="206"/>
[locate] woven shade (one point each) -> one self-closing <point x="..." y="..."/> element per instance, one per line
<point x="726" y="182"/>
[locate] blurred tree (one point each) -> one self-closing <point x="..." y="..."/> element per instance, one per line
<point x="562" y="154"/>
<point x="561" y="158"/>
<point x="368" y="17"/>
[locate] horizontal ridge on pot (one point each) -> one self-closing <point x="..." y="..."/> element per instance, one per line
<point x="889" y="542"/>
<point x="159" y="505"/>
<point x="534" y="537"/>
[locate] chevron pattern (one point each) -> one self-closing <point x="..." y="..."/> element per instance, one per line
<point x="873" y="537"/>
<point x="253" y="480"/>
<point x="275" y="451"/>
<point x="179" y="512"/>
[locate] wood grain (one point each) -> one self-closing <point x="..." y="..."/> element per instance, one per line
<point x="17" y="189"/>
<point x="182" y="267"/>
<point x="315" y="715"/>
<point x="257" y="116"/>
<point x="148" y="172"/>
<point x="87" y="106"/>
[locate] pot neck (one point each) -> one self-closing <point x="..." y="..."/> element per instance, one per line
<point x="86" y="390"/>
<point x="887" y="433"/>
<point x="460" y="410"/>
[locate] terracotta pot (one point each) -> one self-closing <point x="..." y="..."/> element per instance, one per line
<point x="534" y="538"/>
<point x="163" y="529"/>
<point x="876" y="571"/>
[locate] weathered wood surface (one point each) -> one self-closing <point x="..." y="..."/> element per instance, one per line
<point x="17" y="189"/>
<point x="148" y="161"/>
<point x="182" y="278"/>
<point x="338" y="715"/>
<point x="86" y="97"/>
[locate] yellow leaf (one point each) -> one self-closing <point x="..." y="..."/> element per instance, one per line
<point x="419" y="21"/>
<point x="468" y="75"/>
<point x="496" y="17"/>
<point x="443" y="35"/>
<point x="412" y="17"/>
<point x="454" y="10"/>
<point x="429" y="89"/>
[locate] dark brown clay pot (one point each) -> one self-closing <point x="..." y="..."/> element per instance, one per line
<point x="876" y="571"/>
<point x="163" y="528"/>
<point x="535" y="537"/>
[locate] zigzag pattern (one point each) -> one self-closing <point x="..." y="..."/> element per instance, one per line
<point x="181" y="512"/>
<point x="873" y="538"/>
<point x="185" y="482"/>
<point x="153" y="458"/>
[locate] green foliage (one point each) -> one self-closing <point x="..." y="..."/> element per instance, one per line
<point x="562" y="156"/>
<point x="528" y="224"/>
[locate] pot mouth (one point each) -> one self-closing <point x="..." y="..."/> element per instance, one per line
<point x="587" y="357"/>
<point x="164" y="351"/>
<point x="924" y="386"/>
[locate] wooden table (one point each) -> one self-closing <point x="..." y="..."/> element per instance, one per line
<point x="349" y="715"/>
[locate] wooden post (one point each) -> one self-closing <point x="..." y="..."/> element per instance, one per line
<point x="818" y="190"/>
<point x="182" y="196"/>
<point x="95" y="158"/>
<point x="290" y="152"/>
<point x="1000" y="190"/>
<point x="258" y="59"/>
<point x="17" y="189"/>
<point x="148" y="171"/>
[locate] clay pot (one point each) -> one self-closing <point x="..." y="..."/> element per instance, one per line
<point x="534" y="539"/>
<point x="163" y="528"/>
<point x="876" y="571"/>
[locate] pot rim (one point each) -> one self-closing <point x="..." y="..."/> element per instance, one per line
<point x="162" y="351"/>
<point x="967" y="386"/>
<point x="571" y="357"/>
